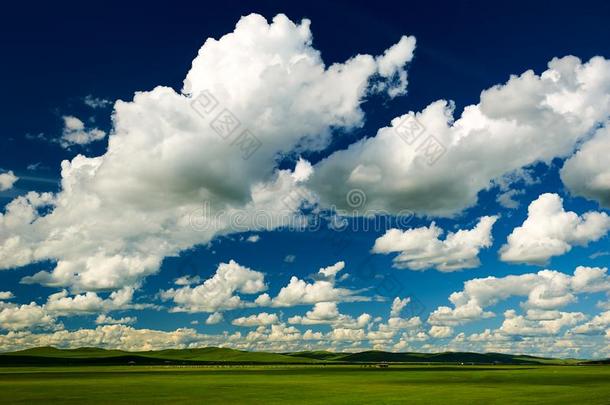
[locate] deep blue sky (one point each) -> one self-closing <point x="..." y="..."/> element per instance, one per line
<point x="54" y="54"/>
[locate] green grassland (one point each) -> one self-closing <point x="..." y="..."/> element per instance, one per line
<point x="312" y="384"/>
<point x="221" y="375"/>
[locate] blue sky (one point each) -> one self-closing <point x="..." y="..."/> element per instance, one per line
<point x="495" y="242"/>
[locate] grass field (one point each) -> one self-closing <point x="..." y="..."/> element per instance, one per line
<point x="311" y="384"/>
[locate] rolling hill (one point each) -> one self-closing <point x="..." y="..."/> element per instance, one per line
<point x="218" y="355"/>
<point x="97" y="356"/>
<point x="375" y="356"/>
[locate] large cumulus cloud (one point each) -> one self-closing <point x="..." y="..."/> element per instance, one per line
<point x="587" y="173"/>
<point x="531" y="118"/>
<point x="118" y="215"/>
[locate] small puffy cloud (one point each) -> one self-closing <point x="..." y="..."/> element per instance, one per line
<point x="507" y="198"/>
<point x="321" y="312"/>
<point x="599" y="325"/>
<point x="346" y="334"/>
<point x="27" y="316"/>
<point x="122" y="337"/>
<point x="187" y="280"/>
<point x="263" y="300"/>
<point x="398" y="305"/>
<point x="6" y="295"/>
<point x="96" y="102"/>
<point x="299" y="292"/>
<point x="7" y="180"/>
<point x="391" y="65"/>
<point x="590" y="280"/>
<point x="104" y="319"/>
<point x="550" y="231"/>
<point x="62" y="304"/>
<point x="520" y="325"/>
<point x="328" y="313"/>
<point x="218" y="292"/>
<point x="422" y="248"/>
<point x="75" y="133"/>
<point x="289" y="258"/>
<point x="261" y="319"/>
<point x="440" y="332"/>
<point x="253" y="238"/>
<point x="35" y="166"/>
<point x="395" y="324"/>
<point x="331" y="271"/>
<point x="214" y="318"/>
<point x="545" y="291"/>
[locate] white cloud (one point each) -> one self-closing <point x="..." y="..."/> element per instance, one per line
<point x="187" y="280"/>
<point x="322" y="312"/>
<point x="586" y="173"/>
<point x="549" y="231"/>
<point x="507" y="198"/>
<point x="261" y="319"/>
<point x="534" y="333"/>
<point x="331" y="271"/>
<point x="6" y="295"/>
<point x="106" y="336"/>
<point x="529" y="119"/>
<point x="214" y="318"/>
<point x="7" y="180"/>
<point x="522" y="326"/>
<point x="299" y="292"/>
<point x="440" y="332"/>
<point x="546" y="290"/>
<point x="218" y="292"/>
<point x="384" y="334"/>
<point x="253" y="238"/>
<point x="600" y="324"/>
<point x="119" y="214"/>
<point x="26" y="316"/>
<point x="103" y="319"/>
<point x="391" y="65"/>
<point x="328" y="313"/>
<point x="96" y="102"/>
<point x="345" y="334"/>
<point x="398" y="305"/>
<point x="62" y="304"/>
<point x="422" y="248"/>
<point x="75" y="133"/>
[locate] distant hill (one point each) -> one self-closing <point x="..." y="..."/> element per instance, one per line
<point x="603" y="361"/>
<point x="83" y="352"/>
<point x="219" y="355"/>
<point x="88" y="355"/>
<point x="376" y="356"/>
